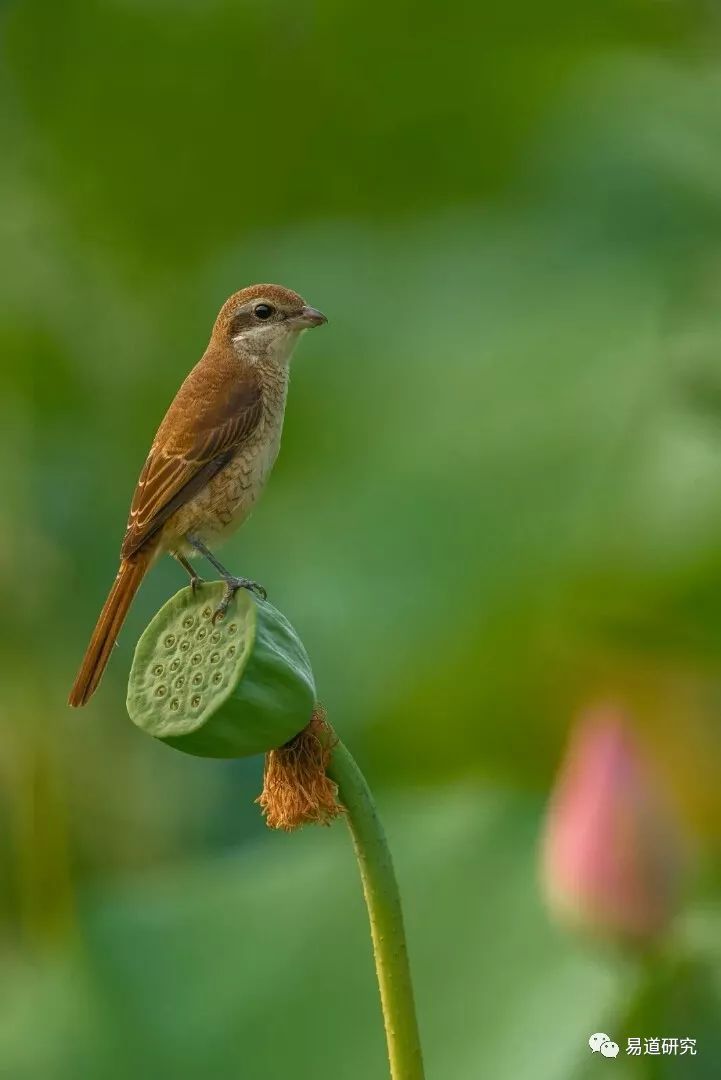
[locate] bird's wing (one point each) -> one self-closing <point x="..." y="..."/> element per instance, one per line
<point x="202" y="430"/>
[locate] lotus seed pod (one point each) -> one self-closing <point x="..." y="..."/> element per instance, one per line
<point x="240" y="687"/>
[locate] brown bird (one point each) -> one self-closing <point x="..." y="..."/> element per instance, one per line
<point x="210" y="458"/>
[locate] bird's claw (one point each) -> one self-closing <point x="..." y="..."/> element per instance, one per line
<point x="195" y="582"/>
<point x="231" y="587"/>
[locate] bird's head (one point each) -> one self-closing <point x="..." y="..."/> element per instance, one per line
<point x="264" y="322"/>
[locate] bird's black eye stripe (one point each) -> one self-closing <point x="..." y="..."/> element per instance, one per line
<point x="263" y="311"/>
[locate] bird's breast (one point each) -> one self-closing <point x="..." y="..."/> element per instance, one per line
<point x="228" y="498"/>
<point x="235" y="489"/>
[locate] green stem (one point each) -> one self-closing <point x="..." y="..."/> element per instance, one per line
<point x="382" y="899"/>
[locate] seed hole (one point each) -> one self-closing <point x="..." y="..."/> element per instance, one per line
<point x="201" y="633"/>
<point x="175" y="704"/>
<point x="188" y="621"/>
<point x="197" y="678"/>
<point x="180" y="682"/>
<point x="196" y="658"/>
<point x="170" y="641"/>
<point x="215" y="637"/>
<point x="158" y="669"/>
<point x="184" y="646"/>
<point x="231" y="651"/>
<point x="207" y="612"/>
<point x="217" y="677"/>
<point x="161" y="691"/>
<point x="214" y="657"/>
<point x="232" y="628"/>
<point x="175" y="664"/>
<point x="195" y="700"/>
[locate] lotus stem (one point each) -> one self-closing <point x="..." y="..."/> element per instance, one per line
<point x="382" y="898"/>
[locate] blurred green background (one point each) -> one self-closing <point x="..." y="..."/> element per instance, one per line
<point x="498" y="501"/>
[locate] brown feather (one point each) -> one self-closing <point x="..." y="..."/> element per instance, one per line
<point x="213" y="413"/>
<point x="108" y="626"/>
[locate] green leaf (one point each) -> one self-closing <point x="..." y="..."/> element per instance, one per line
<point x="260" y="965"/>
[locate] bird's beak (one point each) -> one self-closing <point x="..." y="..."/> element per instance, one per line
<point x="308" y="317"/>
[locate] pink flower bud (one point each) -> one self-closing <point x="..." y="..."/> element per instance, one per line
<point x="612" y="855"/>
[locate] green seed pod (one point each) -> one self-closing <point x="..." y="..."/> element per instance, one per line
<point x="240" y="687"/>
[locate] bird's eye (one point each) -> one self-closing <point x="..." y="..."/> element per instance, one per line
<point x="263" y="311"/>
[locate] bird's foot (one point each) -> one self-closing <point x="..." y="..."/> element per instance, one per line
<point x="232" y="584"/>
<point x="195" y="579"/>
<point x="195" y="582"/>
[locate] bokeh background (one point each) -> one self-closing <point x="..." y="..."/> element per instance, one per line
<point x="498" y="503"/>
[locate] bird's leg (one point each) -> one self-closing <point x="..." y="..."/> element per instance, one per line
<point x="195" y="578"/>
<point x="232" y="583"/>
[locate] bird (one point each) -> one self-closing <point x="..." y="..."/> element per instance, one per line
<point x="210" y="458"/>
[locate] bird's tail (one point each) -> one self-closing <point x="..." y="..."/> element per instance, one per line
<point x="107" y="628"/>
